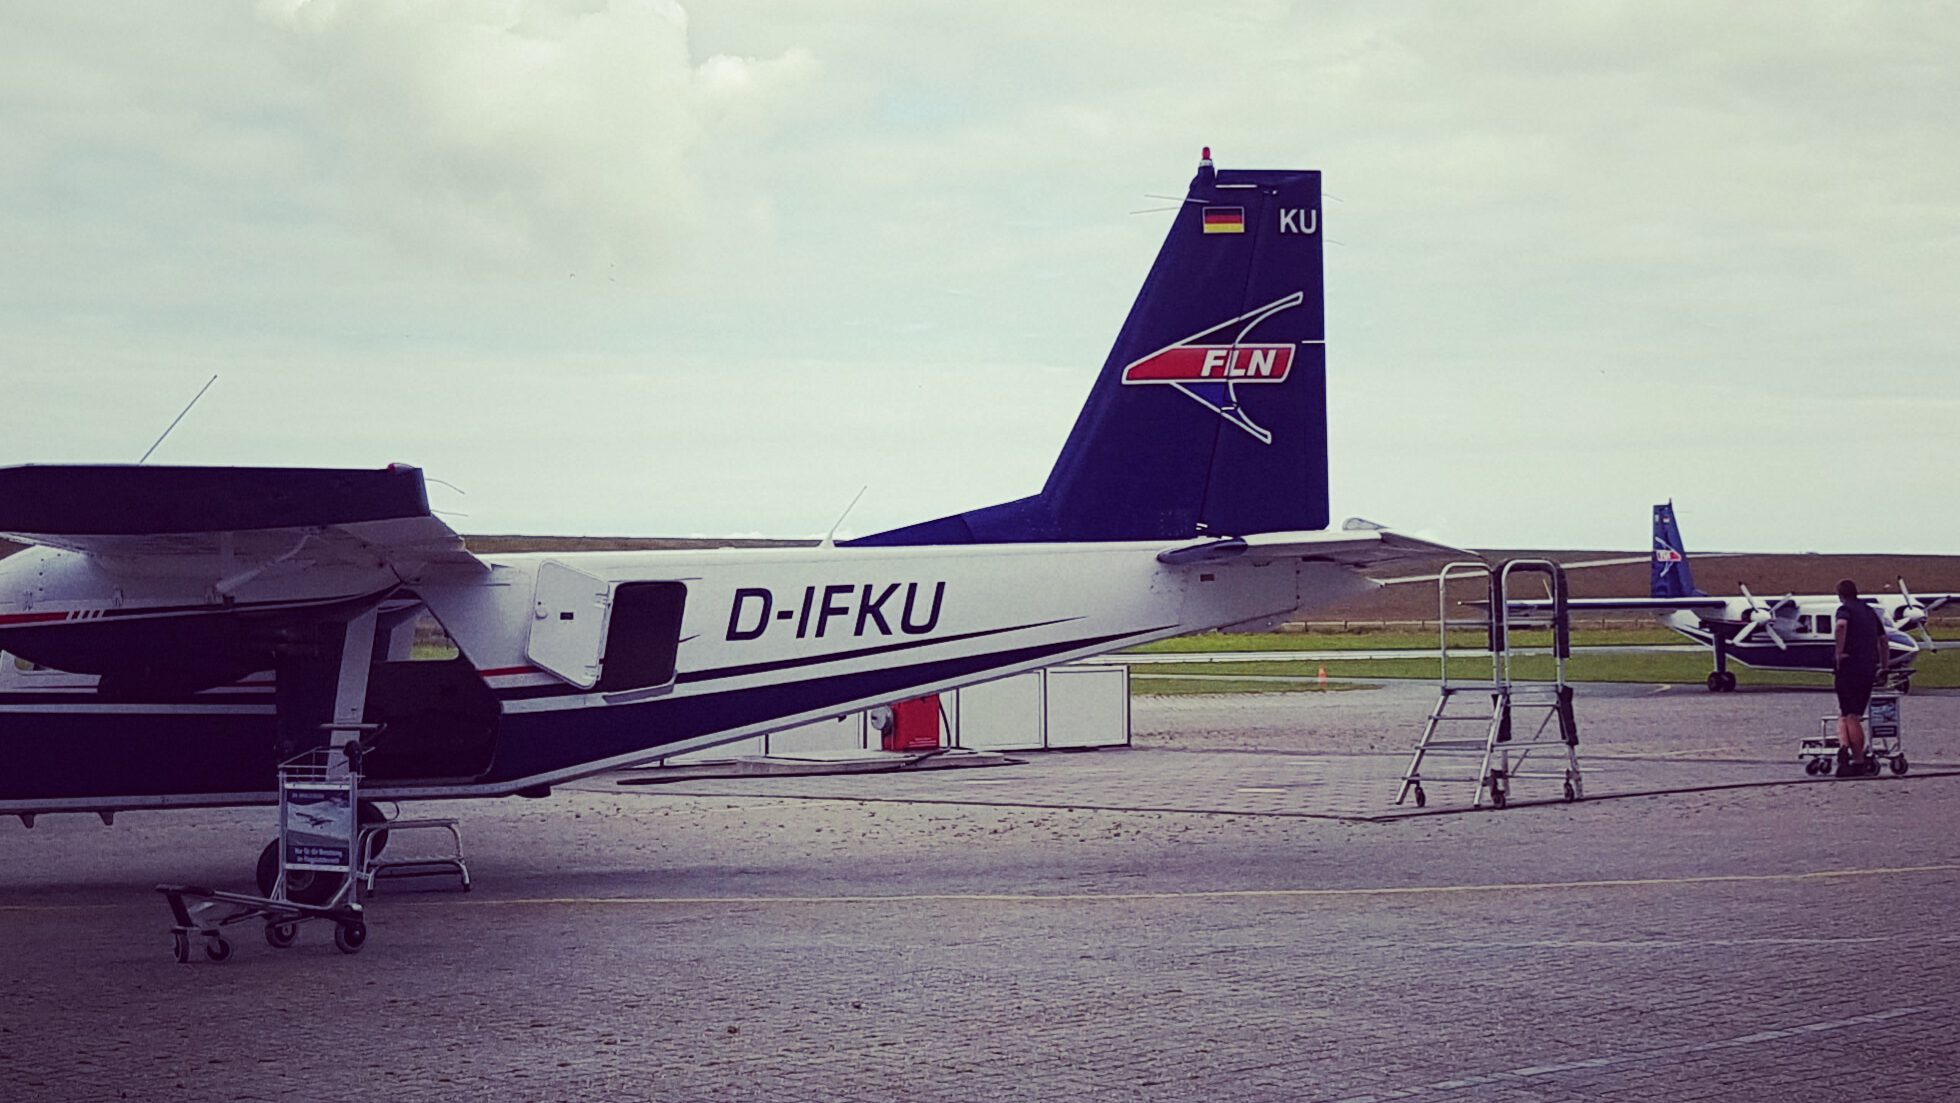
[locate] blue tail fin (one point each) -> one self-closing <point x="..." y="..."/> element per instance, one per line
<point x="1670" y="576"/>
<point x="1210" y="415"/>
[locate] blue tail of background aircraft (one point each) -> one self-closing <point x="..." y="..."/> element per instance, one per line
<point x="1669" y="574"/>
<point x="1210" y="415"/>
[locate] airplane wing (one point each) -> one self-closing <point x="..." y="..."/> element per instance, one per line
<point x="1630" y="604"/>
<point x="1364" y="549"/>
<point x="1577" y="565"/>
<point x="158" y="520"/>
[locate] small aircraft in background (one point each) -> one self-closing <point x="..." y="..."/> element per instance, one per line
<point x="1793" y="632"/>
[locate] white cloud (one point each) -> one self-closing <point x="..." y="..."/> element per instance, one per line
<point x="530" y="136"/>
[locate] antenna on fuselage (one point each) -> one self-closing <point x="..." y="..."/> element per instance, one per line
<point x="179" y="417"/>
<point x="830" y="538"/>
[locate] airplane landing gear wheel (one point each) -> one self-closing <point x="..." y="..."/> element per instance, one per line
<point x="349" y="937"/>
<point x="370" y="814"/>
<point x="268" y="871"/>
<point x="1714" y="681"/>
<point x="302" y="887"/>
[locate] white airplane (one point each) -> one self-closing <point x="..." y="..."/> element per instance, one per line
<point x="1793" y="632"/>
<point x="178" y="631"/>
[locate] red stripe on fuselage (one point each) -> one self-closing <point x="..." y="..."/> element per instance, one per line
<point x="31" y="618"/>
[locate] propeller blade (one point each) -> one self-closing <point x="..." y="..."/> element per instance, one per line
<point x="1774" y="635"/>
<point x="1744" y="634"/>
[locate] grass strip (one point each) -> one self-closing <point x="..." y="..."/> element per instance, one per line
<point x="1151" y="685"/>
<point x="1936" y="670"/>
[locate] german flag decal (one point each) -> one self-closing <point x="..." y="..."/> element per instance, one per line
<point x="1224" y="220"/>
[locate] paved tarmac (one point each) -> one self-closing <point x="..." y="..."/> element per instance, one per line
<point x="1197" y="917"/>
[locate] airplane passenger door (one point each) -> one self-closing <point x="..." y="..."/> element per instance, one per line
<point x="570" y="611"/>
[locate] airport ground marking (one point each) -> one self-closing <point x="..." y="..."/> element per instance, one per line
<point x="1220" y="894"/>
<point x="1530" y="1073"/>
<point x="1395" y="814"/>
<point x="1345" y="892"/>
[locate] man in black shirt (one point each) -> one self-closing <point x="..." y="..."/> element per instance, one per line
<point x="1861" y="658"/>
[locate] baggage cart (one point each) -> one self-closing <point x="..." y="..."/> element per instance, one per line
<point x="1884" y="740"/>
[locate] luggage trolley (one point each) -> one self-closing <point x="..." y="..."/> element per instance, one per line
<point x="319" y="834"/>
<point x="1884" y="738"/>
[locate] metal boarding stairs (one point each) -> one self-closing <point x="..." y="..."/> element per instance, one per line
<point x="1500" y="703"/>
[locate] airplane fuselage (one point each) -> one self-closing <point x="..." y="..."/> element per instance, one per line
<point x="1806" y="626"/>
<point x="760" y="639"/>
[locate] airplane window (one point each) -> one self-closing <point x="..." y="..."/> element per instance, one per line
<point x="432" y="642"/>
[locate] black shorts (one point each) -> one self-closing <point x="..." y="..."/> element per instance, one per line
<point x="1854" y="689"/>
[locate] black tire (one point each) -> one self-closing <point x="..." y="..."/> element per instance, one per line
<point x="1714" y="681"/>
<point x="350" y="936"/>
<point x="1900" y="765"/>
<point x="308" y="887"/>
<point x="1728" y="682"/>
<point x="281" y="936"/>
<point x="1571" y="794"/>
<point x="1497" y="797"/>
<point x="217" y="949"/>
<point x="1422" y="798"/>
<point x="180" y="947"/>
<point x="268" y="872"/>
<point x="370" y="814"/>
<point x="303" y="887"/>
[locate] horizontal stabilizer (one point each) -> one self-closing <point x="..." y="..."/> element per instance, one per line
<point x="1362" y="550"/>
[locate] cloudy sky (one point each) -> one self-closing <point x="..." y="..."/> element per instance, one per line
<point x="650" y="268"/>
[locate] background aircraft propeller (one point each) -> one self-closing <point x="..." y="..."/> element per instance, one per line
<point x="1764" y="616"/>
<point x="1912" y="614"/>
